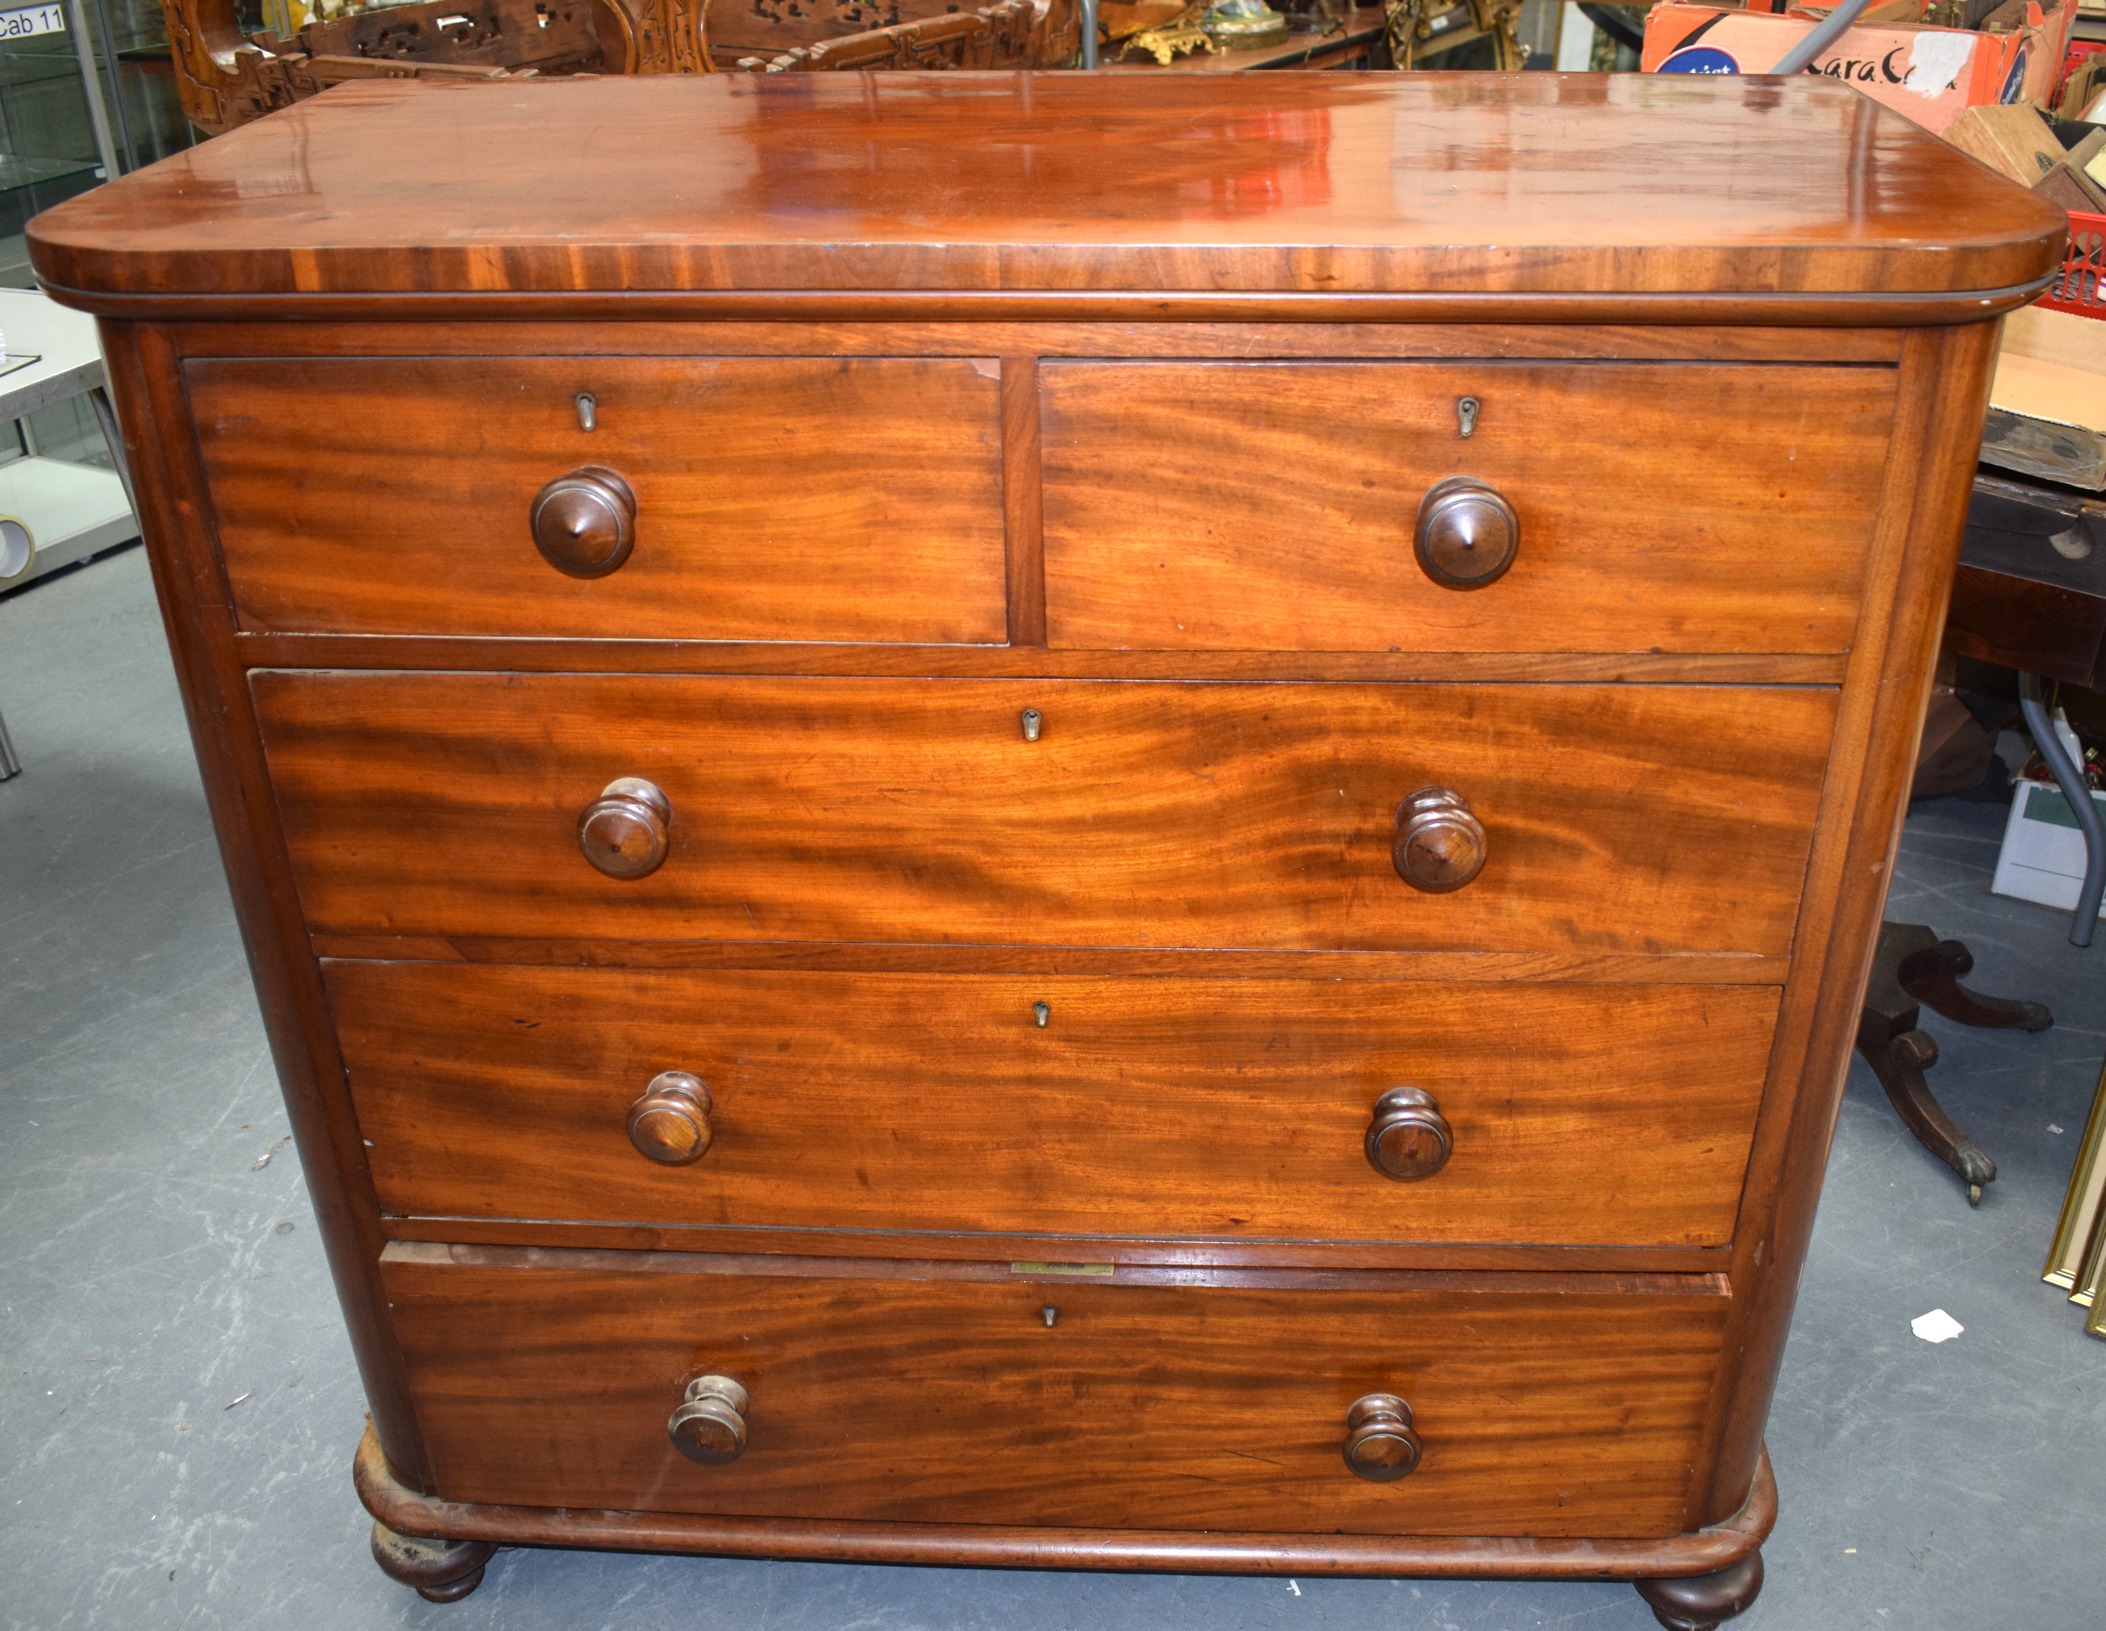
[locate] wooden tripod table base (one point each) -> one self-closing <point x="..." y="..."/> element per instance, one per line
<point x="1913" y="967"/>
<point x="1692" y="1581"/>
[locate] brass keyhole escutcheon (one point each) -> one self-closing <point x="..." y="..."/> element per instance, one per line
<point x="584" y="523"/>
<point x="1467" y="534"/>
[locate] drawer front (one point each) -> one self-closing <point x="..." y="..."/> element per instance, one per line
<point x="1543" y="1412"/>
<point x="1272" y="506"/>
<point x="1616" y="818"/>
<point x="775" y="498"/>
<point x="1227" y="1108"/>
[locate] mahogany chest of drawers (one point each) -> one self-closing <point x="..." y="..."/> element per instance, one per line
<point x="1039" y="821"/>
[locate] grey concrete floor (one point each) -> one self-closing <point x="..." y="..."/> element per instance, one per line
<point x="178" y="1405"/>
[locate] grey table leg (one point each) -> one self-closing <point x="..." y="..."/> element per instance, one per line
<point x="91" y="88"/>
<point x="10" y="766"/>
<point x="2070" y="778"/>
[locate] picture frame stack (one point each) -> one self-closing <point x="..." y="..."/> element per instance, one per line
<point x="2077" y="1260"/>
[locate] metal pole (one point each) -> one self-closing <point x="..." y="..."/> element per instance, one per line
<point x="91" y="87"/>
<point x="1089" y="33"/>
<point x="120" y="126"/>
<point x="106" y="417"/>
<point x="2069" y="776"/>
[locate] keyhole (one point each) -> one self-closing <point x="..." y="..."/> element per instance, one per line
<point x="1033" y="722"/>
<point x="589" y="411"/>
<point x="1466" y="415"/>
<point x="1049" y="1314"/>
<point x="1042" y="1013"/>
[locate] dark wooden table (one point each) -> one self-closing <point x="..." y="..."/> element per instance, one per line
<point x="2030" y="594"/>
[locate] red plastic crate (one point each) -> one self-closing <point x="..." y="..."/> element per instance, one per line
<point x="2080" y="286"/>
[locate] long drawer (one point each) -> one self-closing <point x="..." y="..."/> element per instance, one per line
<point x="1272" y="506"/>
<point x="773" y="498"/>
<point x="1543" y="1407"/>
<point x="1615" y="818"/>
<point x="1236" y="1109"/>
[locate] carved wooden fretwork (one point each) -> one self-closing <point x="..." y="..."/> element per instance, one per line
<point x="1425" y="28"/>
<point x="1011" y="34"/>
<point x="226" y="78"/>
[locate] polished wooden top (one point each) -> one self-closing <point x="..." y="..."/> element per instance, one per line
<point x="1330" y="183"/>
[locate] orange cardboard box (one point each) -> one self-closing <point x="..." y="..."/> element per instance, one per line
<point x="1930" y="74"/>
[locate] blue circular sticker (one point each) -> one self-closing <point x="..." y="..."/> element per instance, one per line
<point x="1700" y="59"/>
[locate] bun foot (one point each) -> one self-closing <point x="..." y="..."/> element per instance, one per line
<point x="439" y="1571"/>
<point x="1699" y="1602"/>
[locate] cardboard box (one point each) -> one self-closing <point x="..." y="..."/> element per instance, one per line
<point x="2047" y="403"/>
<point x="2043" y="855"/>
<point x="1929" y="74"/>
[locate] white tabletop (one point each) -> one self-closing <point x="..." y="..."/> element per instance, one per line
<point x="70" y="361"/>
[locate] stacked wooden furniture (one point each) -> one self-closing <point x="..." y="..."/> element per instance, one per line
<point x="988" y="821"/>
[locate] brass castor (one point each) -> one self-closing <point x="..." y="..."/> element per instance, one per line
<point x="439" y="1571"/>
<point x="1699" y="1602"/>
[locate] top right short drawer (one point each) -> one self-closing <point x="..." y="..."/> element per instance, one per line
<point x="1676" y="507"/>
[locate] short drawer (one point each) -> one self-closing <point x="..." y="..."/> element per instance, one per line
<point x="1546" y="1409"/>
<point x="1226" y="1108"/>
<point x="773" y="498"/>
<point x="1641" y="819"/>
<point x="1263" y="506"/>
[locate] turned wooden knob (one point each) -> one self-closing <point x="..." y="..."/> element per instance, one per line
<point x="585" y="522"/>
<point x="1440" y="842"/>
<point x="710" y="1424"/>
<point x="670" y="1123"/>
<point x="625" y="831"/>
<point x="1408" y="1138"/>
<point x="1467" y="535"/>
<point x="1380" y="1445"/>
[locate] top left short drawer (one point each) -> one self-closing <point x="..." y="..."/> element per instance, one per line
<point x="831" y="499"/>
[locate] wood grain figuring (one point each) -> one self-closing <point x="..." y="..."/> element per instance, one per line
<point x="168" y="489"/>
<point x="973" y="963"/>
<point x="778" y="499"/>
<point x="392" y="337"/>
<point x="998" y="1546"/>
<point x="953" y="1401"/>
<point x="1187" y="1256"/>
<point x="1277" y="507"/>
<point x="1636" y="819"/>
<point x="988" y="662"/>
<point x="923" y="307"/>
<point x="1582" y="968"/>
<point x="1023" y="502"/>
<point x="1187" y="1107"/>
<point x="1270" y="183"/>
<point x="1945" y="387"/>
